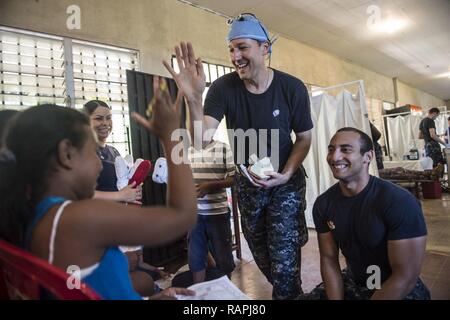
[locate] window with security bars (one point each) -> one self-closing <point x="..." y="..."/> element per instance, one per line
<point x="31" y="70"/>
<point x="38" y="68"/>
<point x="99" y="73"/>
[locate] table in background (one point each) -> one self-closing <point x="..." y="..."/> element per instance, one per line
<point x="405" y="164"/>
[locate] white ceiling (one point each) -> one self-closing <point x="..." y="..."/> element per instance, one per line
<point x="418" y="54"/>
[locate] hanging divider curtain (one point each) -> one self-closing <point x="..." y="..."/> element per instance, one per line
<point x="399" y="129"/>
<point x="144" y="144"/>
<point x="403" y="134"/>
<point x="415" y="123"/>
<point x="441" y="123"/>
<point x="330" y="113"/>
<point x="147" y="146"/>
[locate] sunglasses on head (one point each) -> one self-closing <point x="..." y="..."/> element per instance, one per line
<point x="241" y="17"/>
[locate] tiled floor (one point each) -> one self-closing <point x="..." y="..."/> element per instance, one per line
<point x="436" y="267"/>
<point x="435" y="270"/>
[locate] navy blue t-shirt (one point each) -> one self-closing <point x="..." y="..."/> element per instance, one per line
<point x="425" y="125"/>
<point x="284" y="106"/>
<point x="107" y="181"/>
<point x="363" y="224"/>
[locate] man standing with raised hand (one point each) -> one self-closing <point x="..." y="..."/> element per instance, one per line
<point x="271" y="104"/>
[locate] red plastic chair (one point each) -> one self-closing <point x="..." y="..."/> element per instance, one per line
<point x="23" y="276"/>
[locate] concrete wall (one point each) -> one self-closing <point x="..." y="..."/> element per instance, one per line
<point x="151" y="26"/>
<point x="154" y="26"/>
<point x="320" y="68"/>
<point x="407" y="93"/>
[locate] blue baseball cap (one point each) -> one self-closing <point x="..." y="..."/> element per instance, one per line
<point x="246" y="25"/>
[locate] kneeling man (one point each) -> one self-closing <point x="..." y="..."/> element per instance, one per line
<point x="378" y="226"/>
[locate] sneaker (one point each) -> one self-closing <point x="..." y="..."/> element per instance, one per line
<point x="134" y="167"/>
<point x="160" y="171"/>
<point x="122" y="171"/>
<point x="140" y="171"/>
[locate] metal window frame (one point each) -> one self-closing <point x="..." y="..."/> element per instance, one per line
<point x="36" y="37"/>
<point x="68" y="75"/>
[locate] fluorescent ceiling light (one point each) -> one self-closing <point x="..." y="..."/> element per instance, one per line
<point x="390" y="25"/>
<point x="442" y="75"/>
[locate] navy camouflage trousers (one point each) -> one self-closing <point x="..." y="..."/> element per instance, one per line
<point x="273" y="223"/>
<point x="353" y="291"/>
<point x="433" y="150"/>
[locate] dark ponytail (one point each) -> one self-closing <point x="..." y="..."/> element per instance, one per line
<point x="28" y="160"/>
<point x="9" y="190"/>
<point x="90" y="106"/>
<point x="5" y="117"/>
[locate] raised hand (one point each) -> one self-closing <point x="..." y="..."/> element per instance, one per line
<point x="164" y="115"/>
<point x="191" y="78"/>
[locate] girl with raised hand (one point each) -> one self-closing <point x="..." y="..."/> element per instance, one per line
<point x="48" y="175"/>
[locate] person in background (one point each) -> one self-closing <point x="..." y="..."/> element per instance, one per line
<point x="213" y="171"/>
<point x="100" y="116"/>
<point x="142" y="274"/>
<point x="427" y="132"/>
<point x="376" y="135"/>
<point x="447" y="132"/>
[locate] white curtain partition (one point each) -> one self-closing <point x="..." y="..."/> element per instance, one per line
<point x="403" y="133"/>
<point x="330" y="113"/>
<point x="441" y="123"/>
